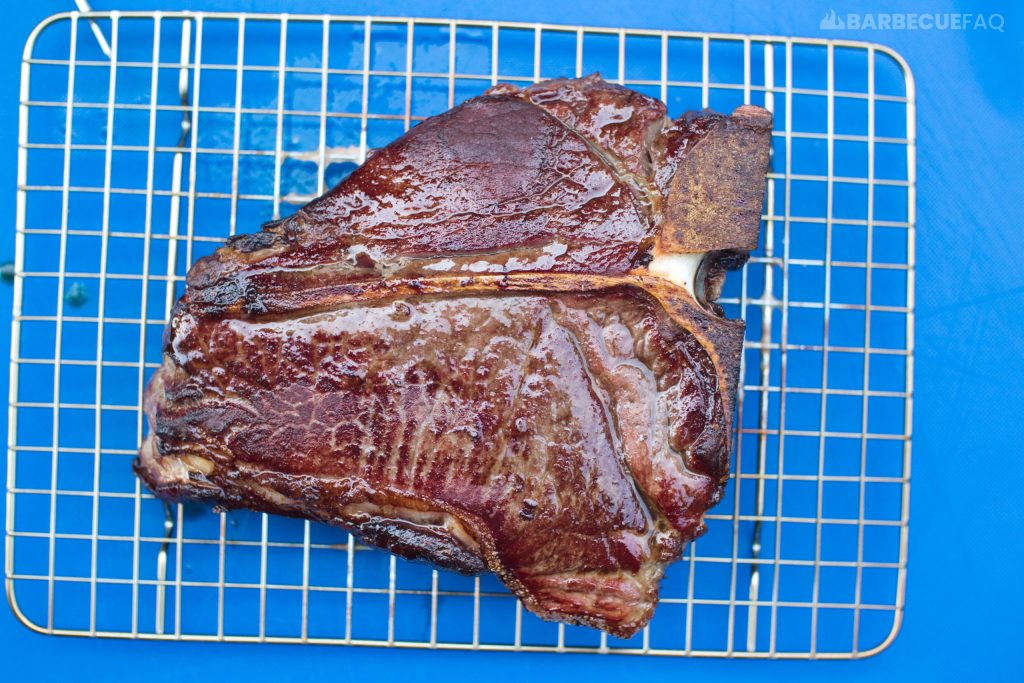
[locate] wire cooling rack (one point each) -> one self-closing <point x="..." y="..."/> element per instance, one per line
<point x="147" y="138"/>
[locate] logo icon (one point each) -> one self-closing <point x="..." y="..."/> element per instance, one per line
<point x="831" y="21"/>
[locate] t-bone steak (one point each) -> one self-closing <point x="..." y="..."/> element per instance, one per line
<point x="494" y="347"/>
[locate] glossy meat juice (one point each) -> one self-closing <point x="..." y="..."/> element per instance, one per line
<point x="460" y="354"/>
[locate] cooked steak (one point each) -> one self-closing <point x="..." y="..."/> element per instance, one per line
<point x="493" y="347"/>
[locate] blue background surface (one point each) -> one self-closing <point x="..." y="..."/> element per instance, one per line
<point x="963" y="594"/>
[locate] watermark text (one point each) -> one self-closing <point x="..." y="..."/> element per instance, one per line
<point x="912" y="21"/>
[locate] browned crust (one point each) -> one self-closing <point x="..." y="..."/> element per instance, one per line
<point x="709" y="199"/>
<point x="716" y="193"/>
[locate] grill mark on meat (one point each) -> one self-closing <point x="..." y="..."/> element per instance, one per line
<point x="413" y="464"/>
<point x="400" y="455"/>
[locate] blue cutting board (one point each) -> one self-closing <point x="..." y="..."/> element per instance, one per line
<point x="962" y="597"/>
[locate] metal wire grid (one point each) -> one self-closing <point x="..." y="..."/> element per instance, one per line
<point x="202" y="123"/>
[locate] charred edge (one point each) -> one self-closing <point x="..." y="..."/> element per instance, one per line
<point x="406" y="539"/>
<point x="419" y="544"/>
<point x="711" y="277"/>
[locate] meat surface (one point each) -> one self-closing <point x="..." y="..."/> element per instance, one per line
<point x="493" y="347"/>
